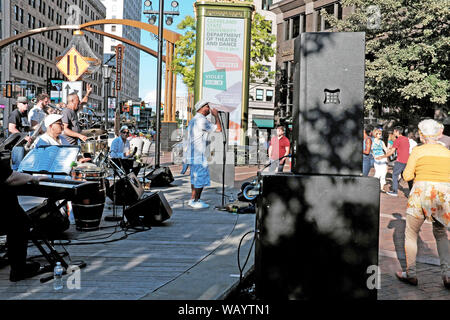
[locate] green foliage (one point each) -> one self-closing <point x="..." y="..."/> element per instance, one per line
<point x="407" y="53"/>
<point x="184" y="57"/>
<point x="261" y="50"/>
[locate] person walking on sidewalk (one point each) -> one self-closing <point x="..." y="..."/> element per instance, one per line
<point x="198" y="129"/>
<point x="401" y="145"/>
<point x="279" y="147"/>
<point x="379" y="149"/>
<point x="429" y="166"/>
<point x="367" y="147"/>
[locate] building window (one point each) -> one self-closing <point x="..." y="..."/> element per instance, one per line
<point x="333" y="9"/>
<point x="113" y="28"/>
<point x="265" y="4"/>
<point x="269" y="95"/>
<point x="259" y="94"/>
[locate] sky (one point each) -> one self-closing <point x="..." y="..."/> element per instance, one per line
<point x="148" y="63"/>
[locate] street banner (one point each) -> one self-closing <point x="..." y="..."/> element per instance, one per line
<point x="71" y="86"/>
<point x="223" y="59"/>
<point x="119" y="58"/>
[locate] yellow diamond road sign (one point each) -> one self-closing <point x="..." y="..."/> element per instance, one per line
<point x="72" y="65"/>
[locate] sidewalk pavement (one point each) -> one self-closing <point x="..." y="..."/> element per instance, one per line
<point x="391" y="245"/>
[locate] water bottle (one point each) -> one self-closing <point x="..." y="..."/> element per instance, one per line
<point x="57" y="276"/>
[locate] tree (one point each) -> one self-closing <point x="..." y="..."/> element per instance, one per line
<point x="407" y="54"/>
<point x="262" y="50"/>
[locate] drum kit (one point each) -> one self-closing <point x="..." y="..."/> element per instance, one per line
<point x="88" y="212"/>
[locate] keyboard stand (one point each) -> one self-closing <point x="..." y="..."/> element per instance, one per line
<point x="40" y="240"/>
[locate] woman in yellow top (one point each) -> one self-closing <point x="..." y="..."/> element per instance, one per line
<point x="429" y="166"/>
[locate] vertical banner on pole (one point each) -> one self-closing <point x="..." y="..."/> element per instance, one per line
<point x="222" y="60"/>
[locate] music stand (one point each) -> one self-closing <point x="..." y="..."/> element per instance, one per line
<point x="117" y="171"/>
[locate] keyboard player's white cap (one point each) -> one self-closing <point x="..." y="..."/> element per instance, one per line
<point x="51" y="118"/>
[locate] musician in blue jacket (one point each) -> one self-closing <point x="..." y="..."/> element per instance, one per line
<point x="120" y="150"/>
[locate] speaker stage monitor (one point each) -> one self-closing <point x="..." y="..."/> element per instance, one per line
<point x="160" y="177"/>
<point x="128" y="190"/>
<point x="149" y="211"/>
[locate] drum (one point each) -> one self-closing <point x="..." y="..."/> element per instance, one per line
<point x="88" y="211"/>
<point x="101" y="145"/>
<point x="88" y="146"/>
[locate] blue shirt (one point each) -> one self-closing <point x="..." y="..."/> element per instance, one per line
<point x="119" y="148"/>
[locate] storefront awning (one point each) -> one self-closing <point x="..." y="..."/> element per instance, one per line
<point x="264" y="123"/>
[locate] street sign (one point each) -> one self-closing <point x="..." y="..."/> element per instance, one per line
<point x="72" y="65"/>
<point x="71" y="86"/>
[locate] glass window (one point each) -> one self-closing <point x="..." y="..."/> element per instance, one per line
<point x="269" y="95"/>
<point x="296" y="27"/>
<point x="286" y="29"/>
<point x="259" y="94"/>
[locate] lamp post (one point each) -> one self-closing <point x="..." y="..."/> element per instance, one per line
<point x="107" y="69"/>
<point x="152" y="20"/>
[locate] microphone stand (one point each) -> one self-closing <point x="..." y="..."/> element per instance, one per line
<point x="224" y="135"/>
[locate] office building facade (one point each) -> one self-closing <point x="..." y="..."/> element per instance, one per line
<point x="30" y="63"/>
<point x="121" y="9"/>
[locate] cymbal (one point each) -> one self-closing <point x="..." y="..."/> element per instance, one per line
<point x="93" y="132"/>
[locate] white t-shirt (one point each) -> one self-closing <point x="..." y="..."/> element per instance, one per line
<point x="46" y="140"/>
<point x="197" y="138"/>
<point x="37" y="114"/>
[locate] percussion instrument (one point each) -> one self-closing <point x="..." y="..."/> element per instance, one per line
<point x="88" y="210"/>
<point x="93" y="132"/>
<point x="89" y="146"/>
<point x="101" y="145"/>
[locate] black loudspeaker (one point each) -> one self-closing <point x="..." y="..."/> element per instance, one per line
<point x="328" y="103"/>
<point x="317" y="237"/>
<point x="149" y="211"/>
<point x="128" y="190"/>
<point x="160" y="177"/>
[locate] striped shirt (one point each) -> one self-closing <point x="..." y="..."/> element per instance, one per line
<point x="428" y="162"/>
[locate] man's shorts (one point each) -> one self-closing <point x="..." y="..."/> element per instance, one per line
<point x="199" y="176"/>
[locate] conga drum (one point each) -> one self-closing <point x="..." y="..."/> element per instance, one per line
<point x="88" y="210"/>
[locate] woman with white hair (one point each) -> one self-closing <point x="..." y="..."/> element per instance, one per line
<point x="429" y="166"/>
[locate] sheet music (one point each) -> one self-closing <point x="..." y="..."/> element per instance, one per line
<point x="49" y="159"/>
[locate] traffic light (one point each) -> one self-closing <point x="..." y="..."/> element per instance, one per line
<point x="162" y="106"/>
<point x="142" y="105"/>
<point x="9" y="89"/>
<point x="177" y="114"/>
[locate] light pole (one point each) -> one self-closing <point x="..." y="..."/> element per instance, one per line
<point x="152" y="20"/>
<point x="107" y="69"/>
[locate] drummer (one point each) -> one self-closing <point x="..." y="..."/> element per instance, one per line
<point x="72" y="128"/>
<point x="120" y="150"/>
